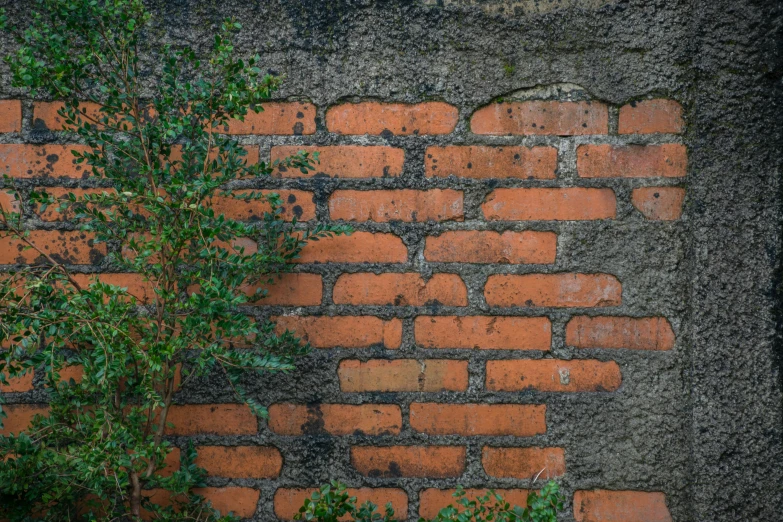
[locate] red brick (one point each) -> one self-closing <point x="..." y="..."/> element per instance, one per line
<point x="18" y="384"/>
<point x="284" y="118"/>
<point x="45" y="115"/>
<point x="8" y="202"/>
<point x="239" y="500"/>
<point x="433" y="500"/>
<point x="335" y="419"/>
<point x="72" y="248"/>
<point x="135" y="284"/>
<point x="53" y="161"/>
<point x="651" y="116"/>
<point x="396" y="205"/>
<point x="553" y="290"/>
<point x="482" y="162"/>
<point x="553" y="375"/>
<point x="632" y="161"/>
<point x="217" y="419"/>
<point x="345" y="161"/>
<point x="550" y="204"/>
<point x="484" y="333"/>
<point x="289" y="500"/>
<point x="398" y="118"/>
<point x="409" y="461"/>
<point x="620" y="506"/>
<point x="659" y="203"/>
<point x="252" y="462"/>
<point x="344" y="331"/>
<point x="293" y="289"/>
<point x="400" y="290"/>
<point x="10" y="116"/>
<point x="19" y="417"/>
<point x="645" y="333"/>
<point x="487" y="246"/>
<point x="523" y="463"/>
<point x="52" y="213"/>
<point x="359" y="247"/>
<point x="494" y="420"/>
<point x="403" y="375"/>
<point x="295" y="203"/>
<point x="541" y="117"/>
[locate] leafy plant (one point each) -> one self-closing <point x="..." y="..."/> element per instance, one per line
<point x="156" y="141"/>
<point x="332" y="503"/>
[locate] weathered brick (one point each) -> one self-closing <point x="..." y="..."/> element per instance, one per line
<point x="218" y="419"/>
<point x="19" y="417"/>
<point x="10" y="116"/>
<point x="135" y="284"/>
<point x="620" y="506"/>
<point x="359" y="247"/>
<point x="482" y="162"/>
<point x="659" y="203"/>
<point x="293" y="289"/>
<point x="395" y="118"/>
<point x="288" y="500"/>
<point x="45" y="115"/>
<point x="432" y="500"/>
<point x="483" y="333"/>
<point x="345" y="161"/>
<point x="8" y="202"/>
<point x="53" y="161"/>
<point x="523" y="463"/>
<point x="73" y="248"/>
<point x="651" y="116"/>
<point x="407" y="289"/>
<point x="553" y="375"/>
<point x="541" y="117"/>
<point x="403" y="375"/>
<point x="645" y="333"/>
<point x="553" y="290"/>
<point x="284" y="118"/>
<point x="409" y="461"/>
<point x="294" y="203"/>
<point x="519" y="420"/>
<point x="344" y="331"/>
<point x="487" y="246"/>
<point x="396" y="205"/>
<point x="52" y="213"/>
<point x="632" y="161"/>
<point x="251" y="462"/>
<point x="335" y="419"/>
<point x="18" y="384"/>
<point x="239" y="500"/>
<point x="550" y="204"/>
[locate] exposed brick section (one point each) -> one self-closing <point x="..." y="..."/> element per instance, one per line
<point x="482" y="162"/>
<point x="297" y="204"/>
<point x="217" y="419"/>
<point x="620" y="506"/>
<point x="659" y="203"/>
<point x="344" y="331"/>
<point x="17" y="384"/>
<point x="359" y="247"/>
<point x="523" y="463"/>
<point x="288" y="500"/>
<point x="252" y="462"/>
<point x="650" y="117"/>
<point x="52" y="213"/>
<point x="73" y="248"/>
<point x="335" y="419"/>
<point x="541" y="117"/>
<point x="45" y="115"/>
<point x="8" y="202"/>
<point x="632" y="161"/>
<point x="550" y="204"/>
<point x="484" y="333"/>
<point x="487" y="246"/>
<point x="553" y="375"/>
<point x="134" y="283"/>
<point x="19" y="417"/>
<point x="395" y="118"/>
<point x="345" y="161"/>
<point x="409" y="461"/>
<point x="54" y="161"/>
<point x="297" y="289"/>
<point x="287" y="118"/>
<point x="553" y="290"/>
<point x="10" y="116"/>
<point x="400" y="290"/>
<point x="241" y="501"/>
<point x="396" y="205"/>
<point x="646" y="333"/>
<point x="432" y="500"/>
<point x="403" y="375"/>
<point x="519" y="420"/>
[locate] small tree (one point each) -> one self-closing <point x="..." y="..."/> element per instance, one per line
<point x="157" y="143"/>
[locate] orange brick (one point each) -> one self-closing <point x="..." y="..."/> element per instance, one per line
<point x="335" y="419"/>
<point x="17" y="384"/>
<point x="45" y="115"/>
<point x="620" y="506"/>
<point x="400" y="290"/>
<point x="409" y="461"/>
<point x="651" y="116"/>
<point x="72" y="248"/>
<point x="294" y="203"/>
<point x="293" y="289"/>
<point x="285" y="118"/>
<point x="10" y="116"/>
<point x="555" y="290"/>
<point x="553" y="375"/>
<point x="218" y="419"/>
<point x="359" y="247"/>
<point x="550" y="204"/>
<point x="135" y="284"/>
<point x="482" y="162"/>
<point x="659" y="203"/>
<point x="484" y="333"/>
<point x="8" y="202"/>
<point x="523" y="463"/>
<point x="632" y="161"/>
<point x="53" y="214"/>
<point x="345" y="161"/>
<point x="396" y="205"/>
<point x="487" y="246"/>
<point x="239" y="500"/>
<point x="344" y="331"/>
<point x="433" y="500"/>
<point x="396" y="118"/>
<point x="288" y="500"/>
<point x="240" y="461"/>
<point x="403" y="375"/>
<point x="51" y="161"/>
<point x="645" y="333"/>
<point x="541" y="117"/>
<point x="519" y="420"/>
<point x="19" y="417"/>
